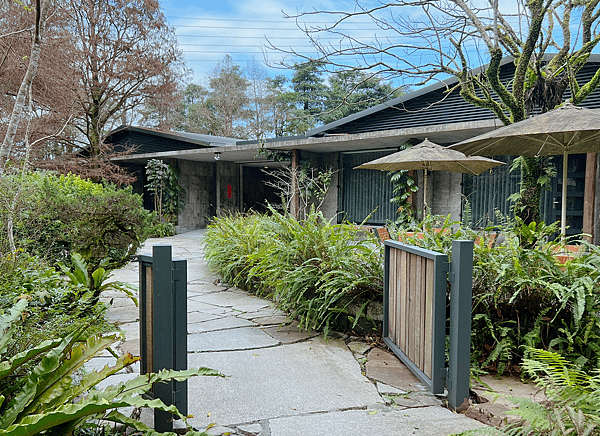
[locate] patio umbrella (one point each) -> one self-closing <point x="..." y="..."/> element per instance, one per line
<point x="428" y="156"/>
<point x="562" y="131"/>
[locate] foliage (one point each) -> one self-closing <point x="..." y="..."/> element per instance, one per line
<point x="311" y="268"/>
<point x="54" y="396"/>
<point x="161" y="229"/>
<point x="404" y="187"/>
<point x="164" y="185"/>
<point x="522" y="294"/>
<point x="58" y="215"/>
<point x="350" y="92"/>
<point x="311" y="186"/>
<point x="92" y="285"/>
<point x="573" y="405"/>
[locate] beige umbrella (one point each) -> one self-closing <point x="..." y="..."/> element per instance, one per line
<point x="562" y="131"/>
<point x="428" y="156"/>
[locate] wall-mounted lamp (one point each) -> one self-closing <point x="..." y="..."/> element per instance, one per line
<point x="217" y="155"/>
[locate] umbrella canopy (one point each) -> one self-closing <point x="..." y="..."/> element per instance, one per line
<point x="431" y="157"/>
<point x="562" y="131"/>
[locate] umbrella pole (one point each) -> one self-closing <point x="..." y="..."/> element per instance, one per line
<point x="424" y="193"/>
<point x="563" y="211"/>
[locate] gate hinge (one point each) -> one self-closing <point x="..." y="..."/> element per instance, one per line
<point x="448" y="269"/>
<point x="449" y="381"/>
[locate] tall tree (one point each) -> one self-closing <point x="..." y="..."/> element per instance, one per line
<point x="228" y="99"/>
<point x="260" y="102"/>
<point x="128" y="57"/>
<point x="307" y="95"/>
<point x="420" y="40"/>
<point x="41" y="12"/>
<point x="350" y="92"/>
<point x="222" y="108"/>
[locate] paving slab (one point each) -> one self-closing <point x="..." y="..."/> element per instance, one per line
<point x="131" y="346"/>
<point x="288" y="334"/>
<point x="131" y="329"/>
<point x="263" y="313"/>
<point x="195" y="317"/>
<point x="307" y="377"/>
<point x="434" y="421"/>
<point x="270" y="320"/>
<point x="196" y="305"/>
<point x="225" y="323"/>
<point x="384" y="367"/>
<point x="238" y="301"/>
<point x="246" y="338"/>
<point x="124" y="314"/>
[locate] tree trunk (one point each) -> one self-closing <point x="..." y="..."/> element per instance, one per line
<point x="19" y="107"/>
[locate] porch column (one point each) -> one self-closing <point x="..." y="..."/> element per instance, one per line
<point x="589" y="195"/>
<point x="295" y="198"/>
<point x="218" y="188"/>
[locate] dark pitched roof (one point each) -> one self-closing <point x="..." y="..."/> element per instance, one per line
<point x="435" y="104"/>
<point x="145" y="140"/>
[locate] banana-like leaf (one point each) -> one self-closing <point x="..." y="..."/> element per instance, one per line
<point x="8" y="367"/>
<point x="90" y="380"/>
<point x="37" y="381"/>
<point x="97" y="403"/>
<point x="116" y="416"/>
<point x="142" y="383"/>
<point x="7" y="324"/>
<point x="59" y="382"/>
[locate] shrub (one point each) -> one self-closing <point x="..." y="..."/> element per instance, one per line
<point x="573" y="405"/>
<point x="311" y="268"/>
<point x="54" y="216"/>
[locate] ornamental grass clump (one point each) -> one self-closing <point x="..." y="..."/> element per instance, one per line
<point x="311" y="268"/>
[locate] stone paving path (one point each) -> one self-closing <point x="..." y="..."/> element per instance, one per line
<point x="281" y="381"/>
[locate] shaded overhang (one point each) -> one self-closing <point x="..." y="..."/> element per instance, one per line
<point x="248" y="153"/>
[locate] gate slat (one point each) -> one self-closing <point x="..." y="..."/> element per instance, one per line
<point x="393" y="292"/>
<point x="428" y="319"/>
<point x="417" y="312"/>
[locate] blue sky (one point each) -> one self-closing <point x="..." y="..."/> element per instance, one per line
<point x="208" y="30"/>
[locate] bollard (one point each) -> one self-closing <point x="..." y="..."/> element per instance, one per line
<point x="163" y="327"/>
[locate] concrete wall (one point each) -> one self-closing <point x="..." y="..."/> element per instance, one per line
<point x="330" y="205"/>
<point x="198" y="180"/>
<point x="200" y="184"/>
<point x="444" y="194"/>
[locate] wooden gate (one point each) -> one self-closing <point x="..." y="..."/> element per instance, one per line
<point x="415" y="310"/>
<point x="414" y="315"/>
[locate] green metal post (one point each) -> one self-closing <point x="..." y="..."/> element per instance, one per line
<point x="163" y="338"/>
<point x="459" y="356"/>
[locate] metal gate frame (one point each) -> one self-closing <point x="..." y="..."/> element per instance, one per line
<point x="459" y="273"/>
<point x="438" y="344"/>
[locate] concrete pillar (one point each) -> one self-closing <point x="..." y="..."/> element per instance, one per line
<point x="295" y="199"/>
<point x="589" y="196"/>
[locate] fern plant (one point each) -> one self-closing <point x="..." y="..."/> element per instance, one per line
<point x="573" y="406"/>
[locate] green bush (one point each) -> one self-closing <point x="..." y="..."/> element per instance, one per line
<point x="54" y="216"/>
<point x="311" y="268"/>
